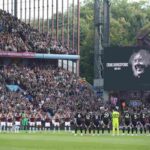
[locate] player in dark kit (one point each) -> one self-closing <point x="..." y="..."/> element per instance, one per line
<point x="143" y="121"/>
<point x="126" y="121"/>
<point x="87" y="122"/>
<point x="78" y="122"/>
<point x="148" y="121"/>
<point x="96" y="123"/>
<point x="106" y="120"/>
<point x="134" y="118"/>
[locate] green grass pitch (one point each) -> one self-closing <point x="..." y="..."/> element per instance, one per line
<point x="67" y="141"/>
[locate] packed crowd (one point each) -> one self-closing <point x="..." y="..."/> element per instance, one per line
<point x="16" y="36"/>
<point x="54" y="96"/>
<point x="44" y="88"/>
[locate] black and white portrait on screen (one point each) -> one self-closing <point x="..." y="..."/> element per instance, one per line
<point x="140" y="63"/>
<point x="127" y="68"/>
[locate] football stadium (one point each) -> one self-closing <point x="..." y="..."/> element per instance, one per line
<point x="74" y="74"/>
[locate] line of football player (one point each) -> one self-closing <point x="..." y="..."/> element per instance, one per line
<point x="131" y="122"/>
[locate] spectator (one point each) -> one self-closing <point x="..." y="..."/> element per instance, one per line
<point x="20" y="37"/>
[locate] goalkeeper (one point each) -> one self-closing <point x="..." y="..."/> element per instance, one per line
<point x="24" y="121"/>
<point x="115" y="121"/>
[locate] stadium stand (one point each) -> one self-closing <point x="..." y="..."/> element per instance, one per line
<point x="43" y="87"/>
<point x="16" y="36"/>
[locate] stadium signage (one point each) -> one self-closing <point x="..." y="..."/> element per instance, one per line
<point x="116" y="66"/>
<point x="16" y="54"/>
<point x="39" y="55"/>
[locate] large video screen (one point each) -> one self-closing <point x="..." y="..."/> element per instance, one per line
<point x="126" y="68"/>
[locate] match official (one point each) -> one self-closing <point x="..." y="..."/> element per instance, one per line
<point x="115" y="121"/>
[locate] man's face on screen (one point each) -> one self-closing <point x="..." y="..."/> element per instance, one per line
<point x="138" y="65"/>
